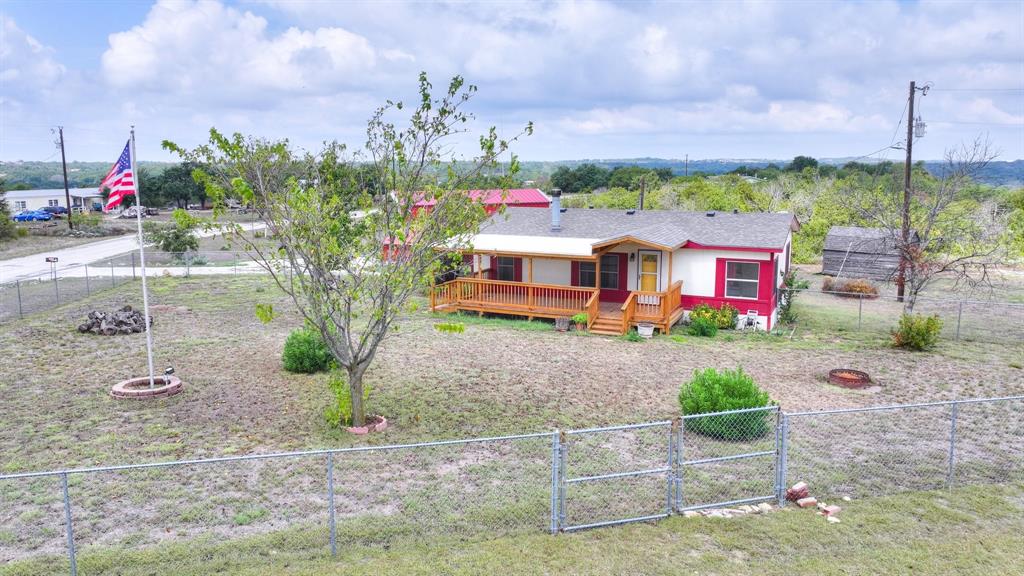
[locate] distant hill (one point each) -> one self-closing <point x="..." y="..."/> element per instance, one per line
<point x="996" y="173"/>
<point x="85" y="174"/>
<point x="48" y="174"/>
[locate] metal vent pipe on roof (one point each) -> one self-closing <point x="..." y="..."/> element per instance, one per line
<point x="556" y="209"/>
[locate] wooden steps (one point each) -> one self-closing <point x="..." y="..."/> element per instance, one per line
<point x="607" y="326"/>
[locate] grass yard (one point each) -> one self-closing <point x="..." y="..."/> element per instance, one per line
<point x="964" y="531"/>
<point x="498" y="377"/>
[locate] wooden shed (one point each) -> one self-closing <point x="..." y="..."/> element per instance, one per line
<point x="855" y="252"/>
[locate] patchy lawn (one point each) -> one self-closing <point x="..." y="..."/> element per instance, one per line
<point x="964" y="531"/>
<point x="497" y="377"/>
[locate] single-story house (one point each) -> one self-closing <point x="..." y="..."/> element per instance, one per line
<point x="495" y="198"/>
<point x="83" y="198"/>
<point x="623" y="267"/>
<point x="856" y="252"/>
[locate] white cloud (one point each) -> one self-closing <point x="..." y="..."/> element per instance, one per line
<point x="27" y="68"/>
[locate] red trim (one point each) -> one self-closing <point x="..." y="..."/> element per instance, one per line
<point x="517" y="269"/>
<point x="620" y="295"/>
<point x="765" y="302"/>
<point x="574" y="273"/>
<point x="696" y="246"/>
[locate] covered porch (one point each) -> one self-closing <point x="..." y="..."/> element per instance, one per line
<point x="617" y="288"/>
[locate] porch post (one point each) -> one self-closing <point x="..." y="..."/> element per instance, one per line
<point x="479" y="265"/>
<point x="597" y="275"/>
<point x="529" y="273"/>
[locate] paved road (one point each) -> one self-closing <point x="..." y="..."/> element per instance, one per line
<point x="36" y="265"/>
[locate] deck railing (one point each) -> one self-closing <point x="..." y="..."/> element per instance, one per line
<point x="504" y="296"/>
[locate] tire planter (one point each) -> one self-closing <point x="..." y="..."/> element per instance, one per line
<point x="373" y="424"/>
<point x="138" y="388"/>
<point x="848" y="378"/>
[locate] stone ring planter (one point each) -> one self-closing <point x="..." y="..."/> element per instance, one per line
<point x="373" y="424"/>
<point x="848" y="378"/>
<point x="138" y="388"/>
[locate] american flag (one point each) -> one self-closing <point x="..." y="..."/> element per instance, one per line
<point x="119" y="180"/>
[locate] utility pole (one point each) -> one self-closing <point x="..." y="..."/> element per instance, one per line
<point x="643" y="188"/>
<point x="901" y="278"/>
<point x="686" y="166"/>
<point x="64" y="165"/>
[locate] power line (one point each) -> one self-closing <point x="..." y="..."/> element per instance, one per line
<point x="979" y="89"/>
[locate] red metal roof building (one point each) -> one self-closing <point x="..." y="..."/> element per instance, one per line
<point x="493" y="199"/>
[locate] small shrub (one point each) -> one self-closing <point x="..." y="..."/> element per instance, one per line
<point x="633" y="336"/>
<point x="21" y="232"/>
<point x="723" y="318"/>
<point x="702" y="327"/>
<point x="917" y="332"/>
<point x="850" y="288"/>
<point x="678" y="338"/>
<point x="339" y="413"/>
<point x="305" y="352"/>
<point x="792" y="286"/>
<point x="712" y="391"/>
<point x="581" y="318"/>
<point x="450" y="327"/>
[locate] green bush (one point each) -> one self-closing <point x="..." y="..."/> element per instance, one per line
<point x="450" y="327"/>
<point x="712" y="391"/>
<point x="632" y="336"/>
<point x="581" y="318"/>
<point x="702" y="327"/>
<point x="306" y="352"/>
<point x="917" y="332"/>
<point x="723" y="318"/>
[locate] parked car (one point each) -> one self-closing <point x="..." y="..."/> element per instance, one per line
<point x="31" y="216"/>
<point x="55" y="211"/>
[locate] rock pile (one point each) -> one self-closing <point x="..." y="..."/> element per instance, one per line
<point x="123" y="321"/>
<point x="800" y="494"/>
<point x="729" y="512"/>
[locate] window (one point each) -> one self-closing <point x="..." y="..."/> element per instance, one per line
<point x="506" y="267"/>
<point x="19" y="205"/>
<point x="587" y="274"/>
<point x="610" y="271"/>
<point x="741" y="279"/>
<point x="54" y="202"/>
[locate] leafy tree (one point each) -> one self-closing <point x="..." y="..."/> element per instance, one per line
<point x="178" y="186"/>
<point x="352" y="274"/>
<point x="179" y="237"/>
<point x="800" y="163"/>
<point x="7" y="228"/>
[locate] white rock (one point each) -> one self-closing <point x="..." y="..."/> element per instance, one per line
<point x="832" y="520"/>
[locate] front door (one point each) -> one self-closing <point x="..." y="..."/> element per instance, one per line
<point x="650" y="271"/>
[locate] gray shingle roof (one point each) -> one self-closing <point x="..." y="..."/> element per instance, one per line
<point x="664" y="227"/>
<point x="862" y="240"/>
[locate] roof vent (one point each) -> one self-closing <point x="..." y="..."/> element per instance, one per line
<point x="630" y="212"/>
<point x="710" y="214"/>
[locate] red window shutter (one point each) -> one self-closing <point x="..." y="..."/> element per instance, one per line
<point x="720" y="278"/>
<point x="492" y="272"/>
<point x="574" y="273"/>
<point x="517" y="269"/>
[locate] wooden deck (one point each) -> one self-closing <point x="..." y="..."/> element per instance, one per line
<point x="662" y="309"/>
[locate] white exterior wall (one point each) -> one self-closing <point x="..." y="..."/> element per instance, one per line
<point x="549" y="271"/>
<point x="697" y="268"/>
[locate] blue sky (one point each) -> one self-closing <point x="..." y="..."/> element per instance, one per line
<point x="598" y="79"/>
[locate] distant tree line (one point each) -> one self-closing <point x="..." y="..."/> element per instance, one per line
<point x="590" y="177"/>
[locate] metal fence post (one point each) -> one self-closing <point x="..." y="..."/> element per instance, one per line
<point x="860" y="311"/>
<point x="330" y="506"/>
<point x="783" y="458"/>
<point x="133" y="265"/>
<point x="56" y="287"/>
<point x="17" y="285"/>
<point x="778" y="454"/>
<point x="87" y="291"/>
<point x="959" y="314"/>
<point x="952" y="445"/>
<point x="563" y="457"/>
<point x="555" y="456"/>
<point x="112" y="283"/>
<point x="670" y="479"/>
<point x="67" y="523"/>
<point x="680" y="463"/>
<point x="188" y="265"/>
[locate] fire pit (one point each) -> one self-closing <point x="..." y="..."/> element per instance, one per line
<point x="138" y="388"/>
<point x="848" y="378"/>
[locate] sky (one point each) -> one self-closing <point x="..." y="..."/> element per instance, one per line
<point x="740" y="80"/>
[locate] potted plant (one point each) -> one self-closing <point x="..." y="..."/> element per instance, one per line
<point x="580" y="320"/>
<point x="645" y="329"/>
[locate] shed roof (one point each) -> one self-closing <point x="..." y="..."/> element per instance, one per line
<point x="497" y="196"/>
<point x="52" y="193"/>
<point x="667" y="228"/>
<point x="861" y="240"/>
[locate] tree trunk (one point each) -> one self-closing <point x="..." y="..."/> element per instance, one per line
<point x="909" y="300"/>
<point x="355" y="386"/>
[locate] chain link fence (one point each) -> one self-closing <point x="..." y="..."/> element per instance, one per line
<point x="315" y="503"/>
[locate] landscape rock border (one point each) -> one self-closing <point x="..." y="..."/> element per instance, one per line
<point x="138" y="388"/>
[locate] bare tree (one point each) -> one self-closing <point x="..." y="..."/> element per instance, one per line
<point x="350" y="247"/>
<point x="952" y="239"/>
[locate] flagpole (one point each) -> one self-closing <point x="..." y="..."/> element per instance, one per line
<point x="142" y="262"/>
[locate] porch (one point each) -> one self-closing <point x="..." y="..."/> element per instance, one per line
<point x="533" y="300"/>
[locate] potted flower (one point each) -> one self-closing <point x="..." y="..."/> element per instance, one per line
<point x="645" y="329"/>
<point x="580" y="321"/>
